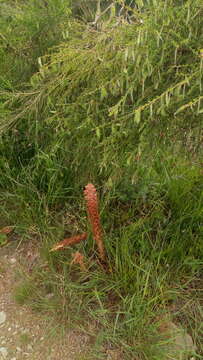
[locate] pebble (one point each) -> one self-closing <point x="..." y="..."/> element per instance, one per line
<point x="24" y="331"/>
<point x="2" y="317"/>
<point x="12" y="260"/>
<point x="179" y="344"/>
<point x="49" y="296"/>
<point x="3" y="352"/>
<point x="113" y="355"/>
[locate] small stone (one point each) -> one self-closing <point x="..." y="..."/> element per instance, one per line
<point x="113" y="355"/>
<point x="2" y="317"/>
<point x="29" y="347"/>
<point x="18" y="349"/>
<point x="3" y="352"/>
<point x="50" y="295"/>
<point x="12" y="260"/>
<point x="179" y="343"/>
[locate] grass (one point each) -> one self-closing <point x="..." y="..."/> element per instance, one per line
<point x="120" y="315"/>
<point x="68" y="119"/>
<point x="25" y="339"/>
<point x="153" y="268"/>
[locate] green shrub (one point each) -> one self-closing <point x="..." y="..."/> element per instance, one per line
<point x="28" y="30"/>
<point x="124" y="84"/>
<point x="104" y="102"/>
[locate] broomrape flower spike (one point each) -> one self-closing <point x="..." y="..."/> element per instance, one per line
<point x="69" y="241"/>
<point x="78" y="258"/>
<point x="90" y="194"/>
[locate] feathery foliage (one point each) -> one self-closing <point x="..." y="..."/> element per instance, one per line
<point x="101" y="88"/>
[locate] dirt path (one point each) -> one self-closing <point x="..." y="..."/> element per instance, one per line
<point x="25" y="334"/>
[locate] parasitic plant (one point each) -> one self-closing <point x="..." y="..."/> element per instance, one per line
<point x="69" y="241"/>
<point x="78" y="258"/>
<point x="90" y="194"/>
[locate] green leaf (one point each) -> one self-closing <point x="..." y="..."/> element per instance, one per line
<point x="3" y="239"/>
<point x="137" y="116"/>
<point x="104" y="93"/>
<point x="98" y="133"/>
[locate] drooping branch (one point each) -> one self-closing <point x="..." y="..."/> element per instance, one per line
<point x="100" y="13"/>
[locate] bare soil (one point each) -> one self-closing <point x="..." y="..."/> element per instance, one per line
<point x="26" y="334"/>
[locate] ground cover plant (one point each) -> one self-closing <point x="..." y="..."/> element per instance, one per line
<point x="110" y="95"/>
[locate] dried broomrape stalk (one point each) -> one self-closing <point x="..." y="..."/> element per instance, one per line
<point x="90" y="194"/>
<point x="69" y="241"/>
<point x="78" y="258"/>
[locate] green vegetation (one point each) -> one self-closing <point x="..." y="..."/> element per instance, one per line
<point x="24" y="339"/>
<point x="116" y="100"/>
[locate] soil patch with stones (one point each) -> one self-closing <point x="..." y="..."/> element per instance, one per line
<point x="28" y="335"/>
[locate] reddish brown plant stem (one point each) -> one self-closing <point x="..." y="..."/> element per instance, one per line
<point x="90" y="194"/>
<point x="78" y="258"/>
<point x="69" y="241"/>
